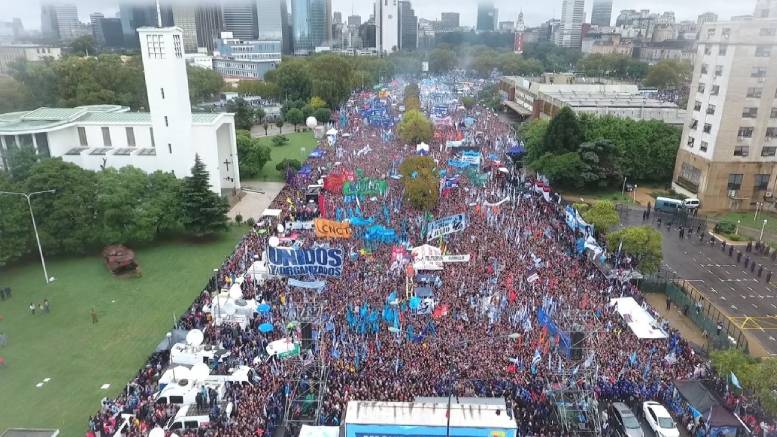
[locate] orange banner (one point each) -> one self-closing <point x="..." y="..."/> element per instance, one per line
<point x="332" y="229"/>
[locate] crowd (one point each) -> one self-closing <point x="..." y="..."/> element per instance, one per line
<point x="483" y="338"/>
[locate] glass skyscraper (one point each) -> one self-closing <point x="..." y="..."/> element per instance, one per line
<point x="309" y="25"/>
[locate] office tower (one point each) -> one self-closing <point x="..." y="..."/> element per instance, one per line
<point x="273" y="19"/>
<point x="449" y="21"/>
<point x="209" y="23"/>
<point x="328" y="23"/>
<point x="308" y="25"/>
<point x="408" y="27"/>
<point x="106" y="32"/>
<point x="97" y="31"/>
<point x="354" y="20"/>
<point x="707" y="17"/>
<point x="337" y="17"/>
<point x="60" y="21"/>
<point x="137" y="14"/>
<point x="387" y="25"/>
<point x="728" y="152"/>
<point x="184" y="17"/>
<point x="240" y="18"/>
<point x="487" y="17"/>
<point x="572" y="15"/>
<point x="601" y="14"/>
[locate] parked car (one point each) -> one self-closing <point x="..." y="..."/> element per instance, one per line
<point x="659" y="420"/>
<point x="623" y="421"/>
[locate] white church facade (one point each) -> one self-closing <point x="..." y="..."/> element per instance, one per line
<point x="167" y="138"/>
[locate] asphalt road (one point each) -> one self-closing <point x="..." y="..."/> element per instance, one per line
<point x="744" y="297"/>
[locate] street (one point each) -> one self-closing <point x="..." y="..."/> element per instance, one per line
<point x="740" y="293"/>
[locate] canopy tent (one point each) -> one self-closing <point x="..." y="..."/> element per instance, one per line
<point x="319" y="431"/>
<point x="284" y="348"/>
<point x="720" y="420"/>
<point x="332" y="131"/>
<point x="422" y="148"/>
<point x="641" y="323"/>
<point x="421" y="258"/>
<point x="276" y="213"/>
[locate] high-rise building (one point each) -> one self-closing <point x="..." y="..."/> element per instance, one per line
<point x="238" y="59"/>
<point x="572" y="15"/>
<point x="10" y="31"/>
<point x="309" y="24"/>
<point x="96" y="24"/>
<point x="60" y="21"/>
<point x="707" y="17"/>
<point x="601" y="14"/>
<point x="136" y="14"/>
<point x="765" y="9"/>
<point x="449" y="21"/>
<point x="337" y="17"/>
<point x="354" y="20"/>
<point x="272" y="20"/>
<point x="106" y="32"/>
<point x="728" y="152"/>
<point x="209" y="23"/>
<point x="408" y="27"/>
<point x="387" y="25"/>
<point x="487" y="17"/>
<point x="328" y="23"/>
<point x="240" y="18"/>
<point x="184" y="17"/>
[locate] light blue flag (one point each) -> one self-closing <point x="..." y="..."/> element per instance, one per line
<point x="735" y="381"/>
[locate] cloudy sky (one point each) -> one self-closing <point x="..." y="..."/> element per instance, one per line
<point x="535" y="11"/>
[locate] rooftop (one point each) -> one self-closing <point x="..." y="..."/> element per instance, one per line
<point x="428" y="414"/>
<point x="42" y="119"/>
<point x="607" y="99"/>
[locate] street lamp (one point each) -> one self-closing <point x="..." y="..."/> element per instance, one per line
<point x="763" y="226"/>
<point x="35" y="226"/>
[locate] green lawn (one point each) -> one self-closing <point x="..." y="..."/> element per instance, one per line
<point x="746" y="220"/>
<point x="134" y="315"/>
<point x="591" y="196"/>
<point x="299" y="147"/>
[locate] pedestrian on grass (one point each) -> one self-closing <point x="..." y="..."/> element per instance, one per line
<point x="32" y="308"/>
<point x="2" y="293"/>
<point x="40" y="307"/>
<point x="46" y="306"/>
<point x="668" y="303"/>
<point x="3" y="339"/>
<point x="94" y="316"/>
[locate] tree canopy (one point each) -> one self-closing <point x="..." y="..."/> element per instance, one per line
<point x="669" y="74"/>
<point x="245" y="114"/>
<point x="204" y="84"/>
<point x="204" y="213"/>
<point x="602" y="215"/>
<point x="421" y="181"/>
<point x="415" y="128"/>
<point x="642" y="243"/>
<point x="252" y="155"/>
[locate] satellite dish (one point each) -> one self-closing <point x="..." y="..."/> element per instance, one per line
<point x="311" y="122"/>
<point x="194" y="337"/>
<point x="280" y="228"/>
<point x="236" y="293"/>
<point x="229" y="308"/>
<point x="157" y="432"/>
<point x="273" y="241"/>
<point x="199" y="371"/>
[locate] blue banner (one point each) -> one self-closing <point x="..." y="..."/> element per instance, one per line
<point x="320" y="261"/>
<point x="447" y="225"/>
<point x="307" y="284"/>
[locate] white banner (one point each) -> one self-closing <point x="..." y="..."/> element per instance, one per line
<point x="489" y="204"/>
<point x="297" y="226"/>
<point x="448" y="258"/>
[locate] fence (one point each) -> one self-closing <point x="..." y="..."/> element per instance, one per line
<point x="698" y="309"/>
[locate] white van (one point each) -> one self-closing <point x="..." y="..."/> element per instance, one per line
<point x="670" y="205"/>
<point x="185" y="392"/>
<point x="188" y="417"/>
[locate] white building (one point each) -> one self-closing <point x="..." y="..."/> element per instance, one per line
<point x="12" y="53"/>
<point x="166" y="139"/>
<point x="387" y="25"/>
<point x="572" y="16"/>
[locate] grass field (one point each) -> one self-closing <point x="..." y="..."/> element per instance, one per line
<point x="79" y="357"/>
<point x="299" y="147"/>
<point x="746" y="219"/>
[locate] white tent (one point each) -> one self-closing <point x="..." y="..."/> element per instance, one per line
<point x="272" y="213"/>
<point x="423" y="147"/>
<point x="427" y="257"/>
<point x="641" y="323"/>
<point x="332" y="131"/>
<point x="319" y="431"/>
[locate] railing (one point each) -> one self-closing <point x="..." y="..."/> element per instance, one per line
<point x="699" y="310"/>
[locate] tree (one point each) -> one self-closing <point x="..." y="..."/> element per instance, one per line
<point x="251" y="155"/>
<point x="323" y="115"/>
<point x="203" y="212"/>
<point x="244" y="113"/>
<point x="331" y="79"/>
<point x="317" y="102"/>
<point x="421" y="181"/>
<point x="562" y="170"/>
<point x="265" y="89"/>
<point x="293" y="80"/>
<point x="415" y="128"/>
<point x="15" y="224"/>
<point x="259" y="114"/>
<point x="279" y="140"/>
<point x="668" y="74"/>
<point x="279" y="123"/>
<point x="287" y="164"/>
<point x="21" y="160"/>
<point x="441" y="61"/>
<point x="266" y="126"/>
<point x="564" y="133"/>
<point x="412" y="89"/>
<point x="14" y="95"/>
<point x="642" y="243"/>
<point x="204" y="84"/>
<point x="83" y="46"/>
<point x="602" y="215"/>
<point x="468" y="102"/>
<point x="412" y="103"/>
<point x="601" y="164"/>
<point x="295" y="117"/>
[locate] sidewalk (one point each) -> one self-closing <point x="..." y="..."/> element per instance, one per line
<point x="258" y="196"/>
<point x="676" y="320"/>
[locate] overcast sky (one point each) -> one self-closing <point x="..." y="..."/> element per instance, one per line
<point x="534" y="11"/>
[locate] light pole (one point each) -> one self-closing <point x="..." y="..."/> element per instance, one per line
<point x="623" y="189"/>
<point x="35" y="226"/>
<point x="757" y="208"/>
<point x="763" y="226"/>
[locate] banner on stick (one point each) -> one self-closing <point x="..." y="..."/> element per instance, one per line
<point x="332" y="229"/>
<point x="445" y="226"/>
<point x="284" y="261"/>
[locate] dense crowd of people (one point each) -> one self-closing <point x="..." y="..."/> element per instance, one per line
<point x="482" y="337"/>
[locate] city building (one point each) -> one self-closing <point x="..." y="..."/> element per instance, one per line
<point x="572" y="15"/>
<point x="96" y="24"/>
<point x="387" y="25"/>
<point x="607" y="43"/>
<point x="543" y="97"/>
<point x="654" y="52"/>
<point x="449" y="21"/>
<point x="368" y="35"/>
<point x="426" y="34"/>
<point x="11" y="31"/>
<point x="728" y="152"/>
<point x="507" y="26"/>
<point x="408" y="27"/>
<point x="140" y="14"/>
<point x="272" y="20"/>
<point x="601" y="14"/>
<point x="354" y="20"/>
<point x="165" y="139"/>
<point x="309" y="22"/>
<point x="59" y="21"/>
<point x="707" y="17"/>
<point x="202" y="59"/>
<point x="487" y="17"/>
<point x="238" y="59"/>
<point x="209" y="22"/>
<point x="11" y="53"/>
<point x="184" y="17"/>
<point x="241" y="19"/>
<point x="112" y="35"/>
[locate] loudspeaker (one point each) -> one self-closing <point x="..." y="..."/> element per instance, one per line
<point x="578" y="339"/>
<point x="307" y="336"/>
